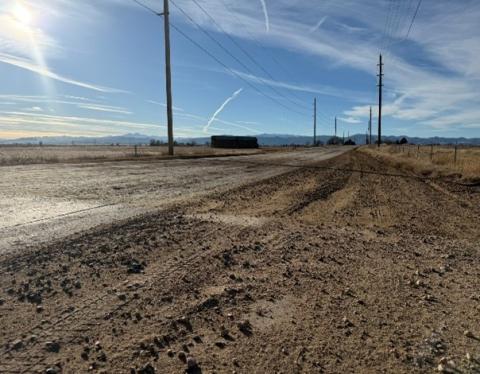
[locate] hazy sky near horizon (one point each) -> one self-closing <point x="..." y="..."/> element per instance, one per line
<point x="96" y="67"/>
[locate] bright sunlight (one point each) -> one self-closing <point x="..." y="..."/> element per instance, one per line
<point x="22" y="14"/>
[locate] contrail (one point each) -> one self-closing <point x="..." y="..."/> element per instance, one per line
<point x="265" y="11"/>
<point x="318" y="25"/>
<point x="222" y="107"/>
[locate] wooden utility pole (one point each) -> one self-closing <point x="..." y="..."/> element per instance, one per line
<point x="370" y="127"/>
<point x="315" y="122"/>
<point x="168" y="71"/>
<point x="380" y="85"/>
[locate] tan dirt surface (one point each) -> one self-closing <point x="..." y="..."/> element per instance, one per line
<point x="39" y="203"/>
<point x="334" y="267"/>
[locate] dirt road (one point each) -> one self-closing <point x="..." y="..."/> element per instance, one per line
<point x="41" y="202"/>
<point x="339" y="267"/>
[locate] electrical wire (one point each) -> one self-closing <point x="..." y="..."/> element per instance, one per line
<point x="144" y="6"/>
<point x="233" y="72"/>
<point x="413" y="19"/>
<point x="230" y="70"/>
<point x="246" y="53"/>
<point x="221" y="46"/>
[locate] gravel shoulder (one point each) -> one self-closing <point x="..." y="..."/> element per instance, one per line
<point x="336" y="266"/>
<point x="44" y="202"/>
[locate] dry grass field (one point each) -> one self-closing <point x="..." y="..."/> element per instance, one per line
<point x="24" y="155"/>
<point x="441" y="162"/>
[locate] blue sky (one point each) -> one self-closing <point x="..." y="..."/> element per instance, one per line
<point x="96" y="67"/>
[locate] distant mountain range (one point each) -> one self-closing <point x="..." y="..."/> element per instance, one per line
<point x="263" y="139"/>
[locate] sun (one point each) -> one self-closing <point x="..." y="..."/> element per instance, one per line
<point x="22" y="14"/>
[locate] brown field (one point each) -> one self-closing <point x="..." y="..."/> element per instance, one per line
<point x="440" y="163"/>
<point x="24" y="155"/>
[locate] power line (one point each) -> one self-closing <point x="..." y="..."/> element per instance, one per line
<point x="198" y="45"/>
<point x="413" y="19"/>
<point x="246" y="53"/>
<point x="230" y="70"/>
<point x="259" y="44"/>
<point x="220" y="45"/>
<point x="386" y="26"/>
<point x="144" y="6"/>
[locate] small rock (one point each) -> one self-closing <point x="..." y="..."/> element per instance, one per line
<point x="52" y="370"/>
<point x="39" y="309"/>
<point x="197" y="339"/>
<point x="245" y="327"/>
<point x="191" y="363"/>
<point x="170" y="353"/>
<point x="2" y="302"/>
<point x="182" y="356"/>
<point x="52" y="347"/>
<point x="147" y="369"/>
<point x="452" y="364"/>
<point x="469" y="334"/>
<point x="220" y="344"/>
<point x="17" y="344"/>
<point x="134" y="267"/>
<point x="429" y="297"/>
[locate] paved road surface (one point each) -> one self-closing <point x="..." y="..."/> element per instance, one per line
<point x="41" y="202"/>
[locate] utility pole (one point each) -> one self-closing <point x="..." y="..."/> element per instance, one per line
<point x="370" y="127"/>
<point x="315" y="122"/>
<point x="380" y="85"/>
<point x="168" y="71"/>
<point x="335" y="126"/>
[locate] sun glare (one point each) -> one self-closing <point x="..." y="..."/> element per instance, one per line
<point x="22" y="14"/>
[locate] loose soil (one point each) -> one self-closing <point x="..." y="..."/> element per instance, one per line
<point x="339" y="267"/>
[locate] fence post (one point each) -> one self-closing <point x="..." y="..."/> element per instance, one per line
<point x="431" y="152"/>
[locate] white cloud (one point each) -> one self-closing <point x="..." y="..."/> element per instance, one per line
<point x="319" y="90"/>
<point x="436" y="70"/>
<point x="350" y="120"/>
<point x="221" y="108"/>
<point x="15" y="122"/>
<point x="265" y="13"/>
<point x="31" y="66"/>
<point x="104" y="108"/>
<point x="318" y="24"/>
